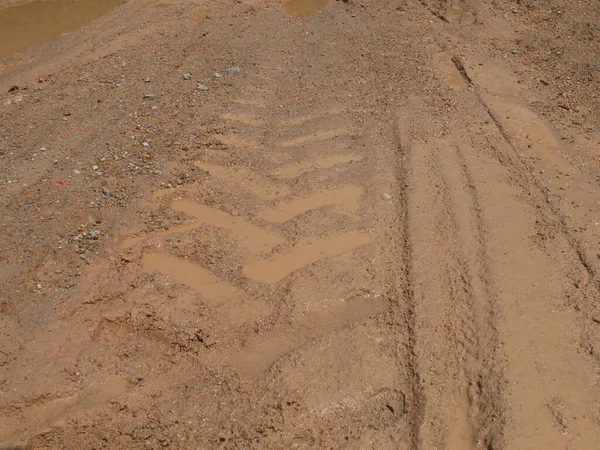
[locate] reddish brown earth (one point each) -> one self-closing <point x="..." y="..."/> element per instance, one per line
<point x="383" y="232"/>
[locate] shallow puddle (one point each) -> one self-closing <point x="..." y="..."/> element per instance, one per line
<point x="347" y="197"/>
<point x="193" y="275"/>
<point x="276" y="269"/>
<point x="131" y="241"/>
<point x="255" y="238"/>
<point x="303" y="8"/>
<point x="32" y="23"/>
<point x="246" y="179"/>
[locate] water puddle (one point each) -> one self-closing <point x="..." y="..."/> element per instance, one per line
<point x="234" y="308"/>
<point x="259" y="354"/>
<point x="254" y="238"/>
<point x="32" y="23"/>
<point x="196" y="277"/>
<point x="319" y="164"/>
<point x="347" y="197"/>
<point x="276" y="269"/>
<point x="315" y="137"/>
<point x="246" y="179"/>
<point x="304" y="8"/>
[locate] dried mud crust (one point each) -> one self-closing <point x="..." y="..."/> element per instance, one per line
<point x="360" y="229"/>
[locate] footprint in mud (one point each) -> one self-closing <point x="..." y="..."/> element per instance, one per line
<point x="231" y="301"/>
<point x="449" y="73"/>
<point x="254" y="238"/>
<point x="326" y="162"/>
<point x="246" y="119"/>
<point x="315" y="137"/>
<point x="237" y="141"/>
<point x="273" y="270"/>
<point x="344" y="372"/>
<point x="346" y="198"/>
<point x="250" y="102"/>
<point x="259" y="354"/>
<point x="245" y="178"/>
<point x="42" y="415"/>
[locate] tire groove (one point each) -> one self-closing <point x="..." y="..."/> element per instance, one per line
<point x="402" y="172"/>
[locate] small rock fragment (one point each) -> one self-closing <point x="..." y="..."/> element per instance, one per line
<point x="94" y="234"/>
<point x="234" y="70"/>
<point x="106" y="192"/>
<point x="202" y="87"/>
<point x="386" y="196"/>
<point x="13" y="88"/>
<point x="544" y="81"/>
<point x="187" y="77"/>
<point x="157" y="172"/>
<point x="148" y="96"/>
<point x="217" y="75"/>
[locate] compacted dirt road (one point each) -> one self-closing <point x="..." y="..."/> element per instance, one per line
<point x="366" y="225"/>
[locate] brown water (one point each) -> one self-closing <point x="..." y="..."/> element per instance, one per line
<point x="197" y="277"/>
<point x="303" y="8"/>
<point x="276" y="269"/>
<point x="347" y="196"/>
<point x="31" y="23"/>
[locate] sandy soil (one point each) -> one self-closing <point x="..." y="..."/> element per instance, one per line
<point x="241" y="225"/>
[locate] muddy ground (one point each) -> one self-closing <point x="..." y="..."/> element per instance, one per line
<point x="356" y="225"/>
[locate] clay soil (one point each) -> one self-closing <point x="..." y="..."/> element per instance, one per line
<point x="249" y="224"/>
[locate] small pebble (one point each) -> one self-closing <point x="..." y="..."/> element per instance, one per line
<point x="217" y="75"/>
<point x="202" y="87"/>
<point x="157" y="172"/>
<point x="234" y="70"/>
<point x="94" y="234"/>
<point x="13" y="88"/>
<point x="187" y="77"/>
<point x="106" y="192"/>
<point x="386" y="196"/>
<point x="148" y="96"/>
<point x="544" y="81"/>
